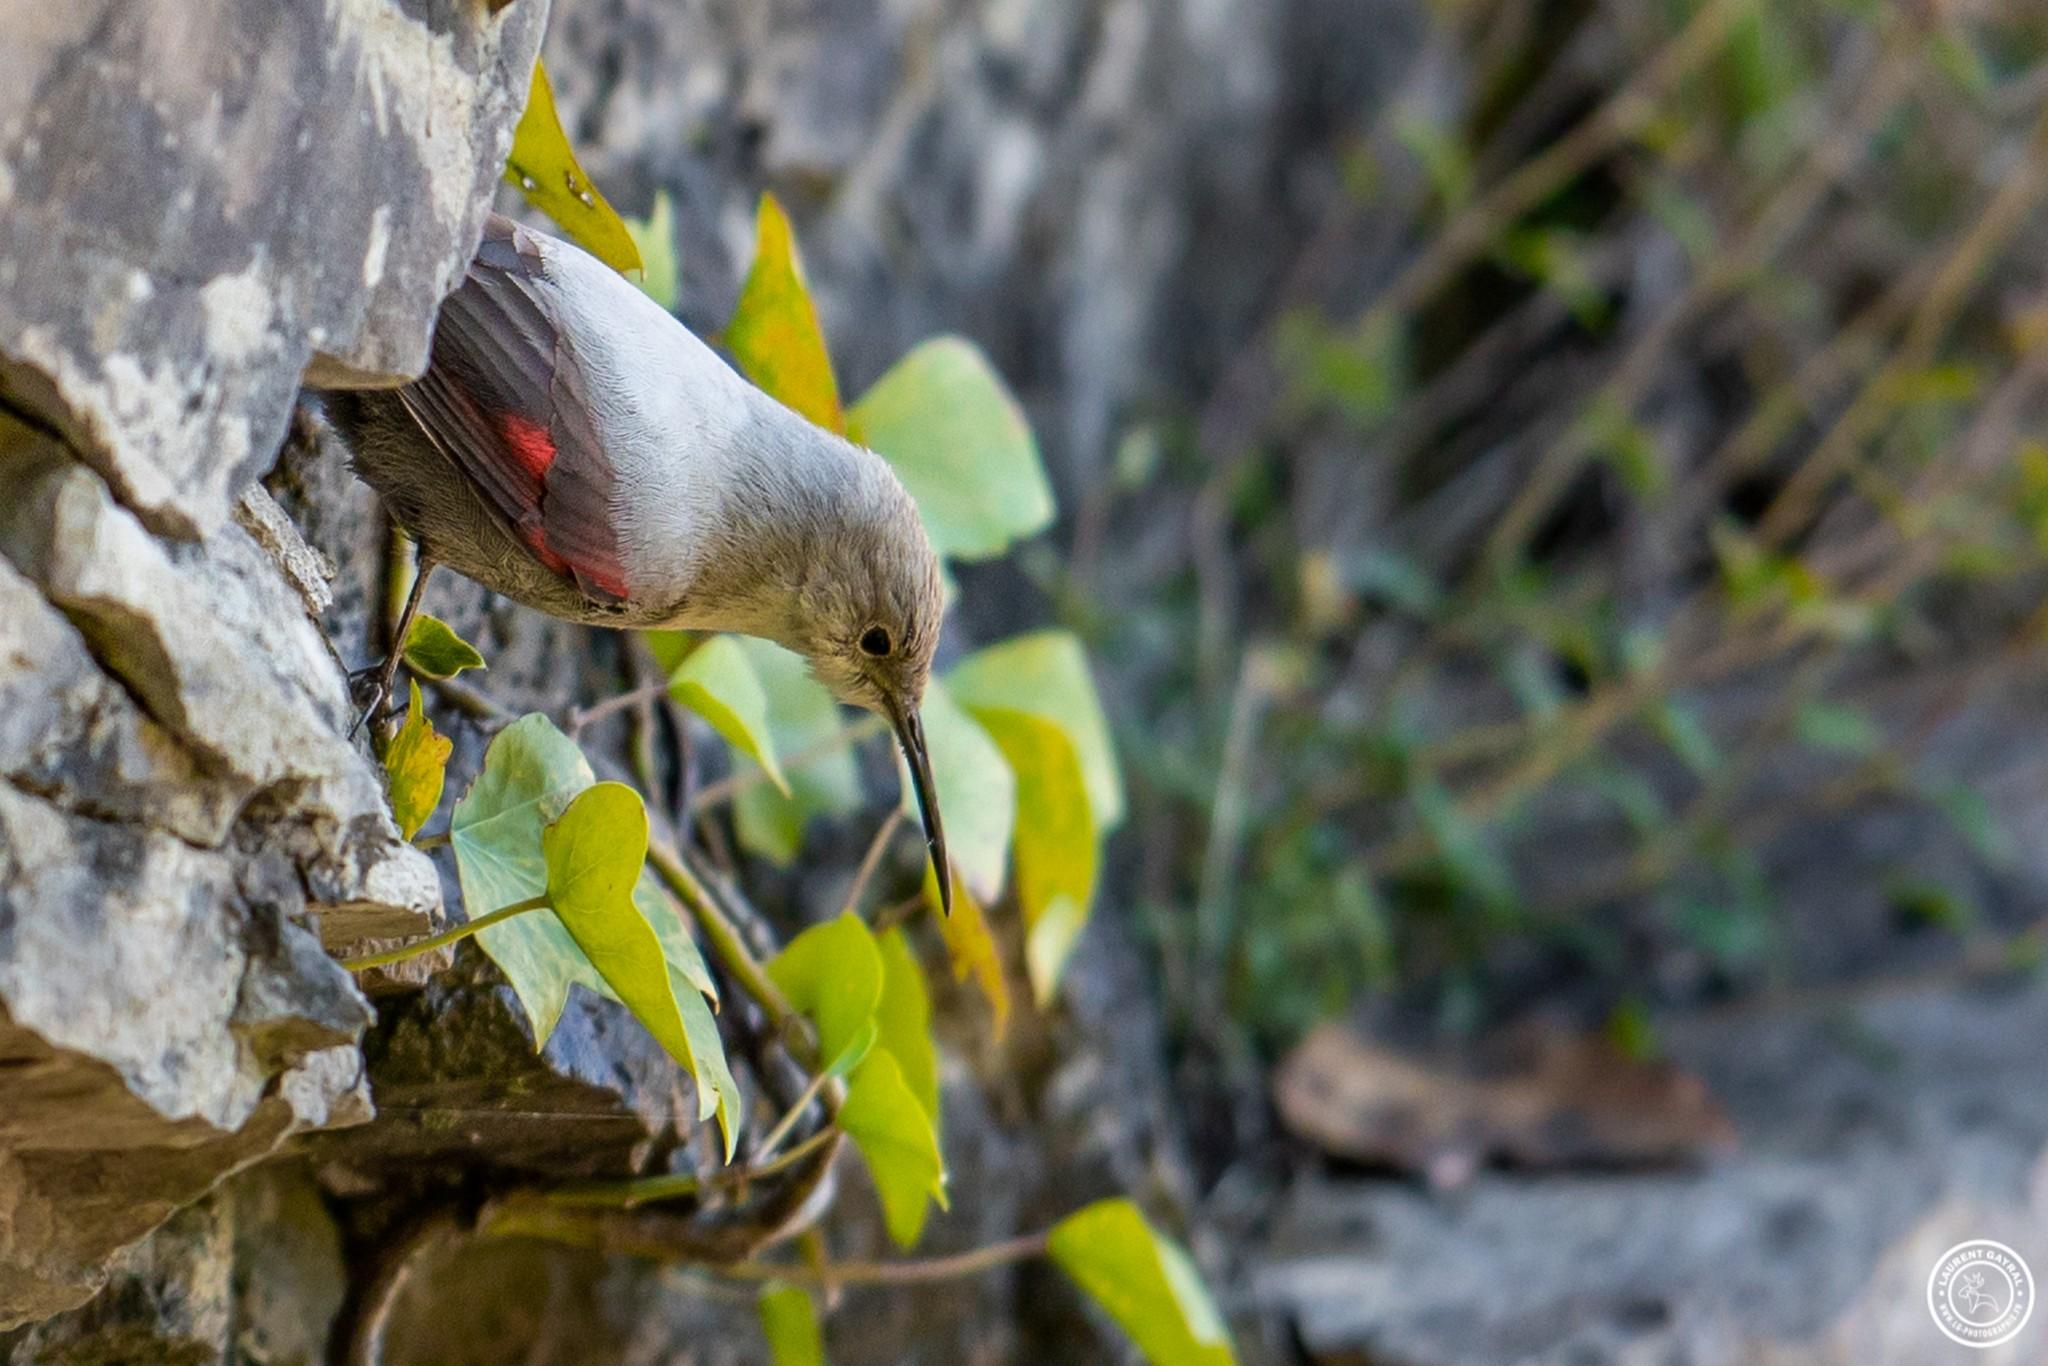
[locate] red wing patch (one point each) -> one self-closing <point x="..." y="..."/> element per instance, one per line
<point x="529" y="443"/>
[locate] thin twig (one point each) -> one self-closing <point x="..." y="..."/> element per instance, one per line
<point x="910" y="1271"/>
<point x="470" y="700"/>
<point x="872" y="860"/>
<point x="581" y="717"/>
<point x="1213" y="899"/>
<point x="725" y="789"/>
<point x="789" y="1120"/>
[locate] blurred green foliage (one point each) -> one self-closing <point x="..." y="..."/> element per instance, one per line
<point x="1662" y="507"/>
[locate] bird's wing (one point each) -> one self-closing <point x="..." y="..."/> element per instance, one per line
<point x="505" y="399"/>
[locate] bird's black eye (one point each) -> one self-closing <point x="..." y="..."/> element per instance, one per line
<point x="875" y="641"/>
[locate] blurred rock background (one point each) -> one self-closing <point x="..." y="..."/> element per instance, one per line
<point x="1553" y="492"/>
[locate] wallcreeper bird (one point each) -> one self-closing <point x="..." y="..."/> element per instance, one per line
<point x="575" y="448"/>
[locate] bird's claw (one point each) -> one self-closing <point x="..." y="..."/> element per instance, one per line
<point x="370" y="689"/>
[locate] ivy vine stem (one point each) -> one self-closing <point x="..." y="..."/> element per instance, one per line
<point x="446" y="937"/>
<point x="633" y="1194"/>
<point x="790" y="1116"/>
<point x="723" y="935"/>
<point x="910" y="1270"/>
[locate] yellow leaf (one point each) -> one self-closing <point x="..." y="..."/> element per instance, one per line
<point x="970" y="945"/>
<point x="414" y="767"/>
<point x="594" y="852"/>
<point x="774" y="333"/>
<point x="1046" y="673"/>
<point x="544" y="168"/>
<point x="1055" y="838"/>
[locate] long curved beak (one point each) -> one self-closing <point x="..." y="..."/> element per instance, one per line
<point x="910" y="735"/>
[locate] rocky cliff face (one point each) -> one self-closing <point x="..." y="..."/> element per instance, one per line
<point x="197" y="204"/>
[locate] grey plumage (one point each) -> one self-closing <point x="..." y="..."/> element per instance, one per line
<point x="575" y="448"/>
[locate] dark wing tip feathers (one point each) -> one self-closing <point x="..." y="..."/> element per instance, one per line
<point x="500" y="398"/>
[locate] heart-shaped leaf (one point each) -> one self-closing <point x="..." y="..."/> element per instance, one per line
<point x="433" y="650"/>
<point x="1046" y="673"/>
<point x="415" y="765"/>
<point x="955" y="436"/>
<point x="774" y="333"/>
<point x="595" y="852"/>
<point x="717" y="681"/>
<point x="803" y="719"/>
<point x="833" y="974"/>
<point x="543" y="167"/>
<point x="904" y="1014"/>
<point x="531" y="773"/>
<point x="886" y="1121"/>
<point x="1144" y="1281"/>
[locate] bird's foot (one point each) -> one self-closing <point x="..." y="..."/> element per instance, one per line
<point x="370" y="689"/>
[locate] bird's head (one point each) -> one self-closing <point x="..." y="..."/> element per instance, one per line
<point x="870" y="608"/>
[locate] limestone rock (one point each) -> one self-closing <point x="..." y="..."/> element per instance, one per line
<point x="196" y="202"/>
<point x="197" y="199"/>
<point x="167" y="1301"/>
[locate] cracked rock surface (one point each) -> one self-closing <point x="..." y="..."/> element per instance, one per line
<point x="197" y="204"/>
<point x="198" y="200"/>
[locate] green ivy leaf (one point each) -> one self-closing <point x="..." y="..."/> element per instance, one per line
<point x="802" y="718"/>
<point x="958" y="440"/>
<point x="433" y="650"/>
<point x="790" y="1322"/>
<point x="717" y="681"/>
<point x="1046" y="673"/>
<point x="595" y="852"/>
<point x="685" y="959"/>
<point x="903" y="1017"/>
<point x="1055" y="841"/>
<point x="415" y="766"/>
<point x="1144" y="1281"/>
<point x="544" y="168"/>
<point x="832" y="973"/>
<point x="530" y="775"/>
<point x="774" y="333"/>
<point x="655" y="238"/>
<point x="976" y="791"/>
<point x="886" y="1121"/>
